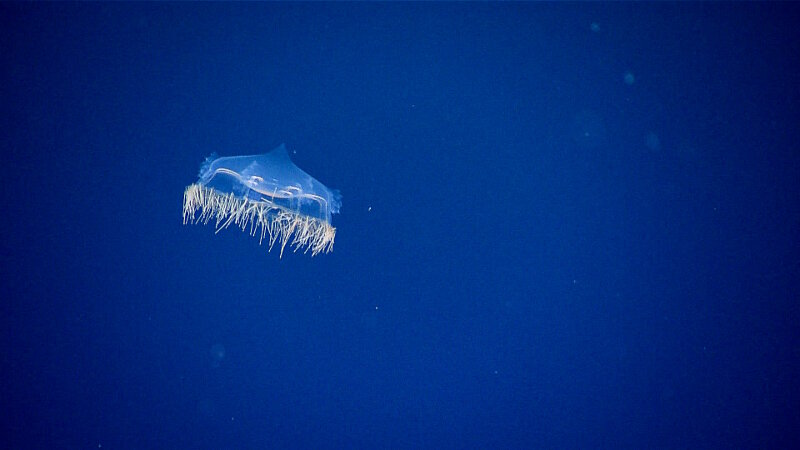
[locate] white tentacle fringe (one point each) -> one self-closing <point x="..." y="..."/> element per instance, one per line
<point x="270" y="221"/>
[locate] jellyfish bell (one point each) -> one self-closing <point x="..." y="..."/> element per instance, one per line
<point x="265" y="195"/>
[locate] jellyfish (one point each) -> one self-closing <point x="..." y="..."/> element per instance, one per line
<point x="266" y="196"/>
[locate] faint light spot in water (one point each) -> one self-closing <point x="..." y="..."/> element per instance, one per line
<point x="629" y="78"/>
<point x="206" y="407"/>
<point x="588" y="129"/>
<point x="652" y="142"/>
<point x="595" y="27"/>
<point x="217" y="354"/>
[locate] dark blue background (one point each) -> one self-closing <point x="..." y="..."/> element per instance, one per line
<point x="553" y="235"/>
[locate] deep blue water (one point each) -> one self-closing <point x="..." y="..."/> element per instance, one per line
<point x="563" y="226"/>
